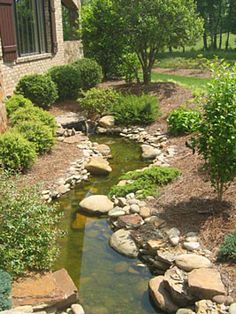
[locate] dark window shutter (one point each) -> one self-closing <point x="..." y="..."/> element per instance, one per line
<point x="53" y="27"/>
<point x="7" y="30"/>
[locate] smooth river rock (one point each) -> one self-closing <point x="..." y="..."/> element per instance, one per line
<point x="97" y="204"/>
<point x="161" y="296"/>
<point x="107" y="121"/>
<point x="122" y="242"/>
<point x="205" y="283"/>
<point x="98" y="166"/>
<point x="189" y="262"/>
<point x="150" y="152"/>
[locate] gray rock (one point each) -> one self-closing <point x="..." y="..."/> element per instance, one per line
<point x="122" y="242"/>
<point x="191" y="246"/>
<point x="173" y="232"/>
<point x="188" y="262"/>
<point x="223" y="299"/>
<point x="116" y="212"/>
<point x="174" y="240"/>
<point x="149" y="152"/>
<point x="185" y="311"/>
<point x="134" y="209"/>
<point x="77" y="309"/>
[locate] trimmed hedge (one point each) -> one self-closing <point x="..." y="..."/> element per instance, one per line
<point x="16" y="102"/>
<point x="5" y="290"/>
<point x="16" y="152"/>
<point x="39" y="88"/>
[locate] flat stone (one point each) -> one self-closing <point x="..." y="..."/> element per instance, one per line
<point x="166" y="257"/>
<point x="205" y="283"/>
<point x="122" y="242"/>
<point x="72" y="120"/>
<point x="191" y="246"/>
<point x="107" y="121"/>
<point x="116" y="212"/>
<point x="98" y="166"/>
<point x="150" y="152"/>
<point x="73" y="139"/>
<point x="97" y="204"/>
<point x="154" y="245"/>
<point x="130" y="221"/>
<point x="77" y="309"/>
<point x="104" y="149"/>
<point x="232" y="308"/>
<point x="160" y="295"/>
<point x="188" y="262"/>
<point x="48" y="290"/>
<point x="176" y="282"/>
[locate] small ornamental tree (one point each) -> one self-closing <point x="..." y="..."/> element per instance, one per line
<point x="217" y="138"/>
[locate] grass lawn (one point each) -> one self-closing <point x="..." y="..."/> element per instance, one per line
<point x="194" y="83"/>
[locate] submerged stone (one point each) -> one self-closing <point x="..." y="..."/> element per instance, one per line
<point x="122" y="242"/>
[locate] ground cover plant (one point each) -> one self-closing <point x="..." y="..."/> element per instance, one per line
<point x="145" y="182"/>
<point x="217" y="131"/>
<point x="183" y="121"/>
<point x="16" y="152"/>
<point x="28" y="229"/>
<point x="5" y="290"/>
<point x="227" y="250"/>
<point x="39" y="88"/>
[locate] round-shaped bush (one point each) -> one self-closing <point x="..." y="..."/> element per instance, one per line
<point x="16" y="152"/>
<point x="32" y="113"/>
<point x="40" y="89"/>
<point x="67" y="80"/>
<point x="183" y="121"/>
<point x="90" y="72"/>
<point x="16" y="102"/>
<point x="39" y="134"/>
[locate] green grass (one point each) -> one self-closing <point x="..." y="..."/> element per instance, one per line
<point x="192" y="83"/>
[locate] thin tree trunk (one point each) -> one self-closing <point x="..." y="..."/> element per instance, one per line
<point x="146" y="76"/>
<point x="227" y="41"/>
<point x="205" y="43"/>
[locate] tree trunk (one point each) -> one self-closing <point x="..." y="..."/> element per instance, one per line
<point x="146" y="76"/>
<point x="205" y="43"/>
<point x="227" y="41"/>
<point x="221" y="38"/>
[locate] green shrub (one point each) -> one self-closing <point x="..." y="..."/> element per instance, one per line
<point x="136" y="110"/>
<point x="227" y="250"/>
<point x="35" y="114"/>
<point x="28" y="229"/>
<point x="90" y="72"/>
<point x="37" y="133"/>
<point x="97" y="100"/>
<point x="130" y="67"/>
<point x="40" y="89"/>
<point x="183" y="121"/>
<point x="16" y="152"/>
<point x="67" y="80"/>
<point x="5" y="290"/>
<point x="145" y="182"/>
<point x="16" y="102"/>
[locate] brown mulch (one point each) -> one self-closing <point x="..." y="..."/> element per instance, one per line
<point x="184" y="72"/>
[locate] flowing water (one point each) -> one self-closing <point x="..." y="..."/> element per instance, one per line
<point x="108" y="282"/>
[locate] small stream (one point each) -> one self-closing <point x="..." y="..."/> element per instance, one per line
<point x="108" y="282"/>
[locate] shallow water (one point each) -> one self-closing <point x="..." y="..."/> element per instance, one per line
<point x="108" y="282"/>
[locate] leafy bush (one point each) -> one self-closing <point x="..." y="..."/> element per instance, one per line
<point x="28" y="229"/>
<point x="40" y="89"/>
<point x="216" y="141"/>
<point x="145" y="182"/>
<point x="97" y="100"/>
<point x="32" y="113"/>
<point x="130" y="67"/>
<point x="16" y="152"/>
<point x="37" y="133"/>
<point x="67" y="80"/>
<point x="90" y="72"/>
<point x="228" y="248"/>
<point x="16" y="102"/>
<point x="136" y="109"/>
<point x="5" y="290"/>
<point x="183" y="121"/>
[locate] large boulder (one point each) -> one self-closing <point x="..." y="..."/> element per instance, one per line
<point x="42" y="291"/>
<point x="205" y="283"/>
<point x="161" y="296"/>
<point x="72" y="120"/>
<point x="98" y="166"/>
<point x="122" y="242"/>
<point x="96" y="204"/>
<point x="189" y="262"/>
<point x="107" y="121"/>
<point x="150" y="152"/>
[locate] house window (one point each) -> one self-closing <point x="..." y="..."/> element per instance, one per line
<point x="30" y="27"/>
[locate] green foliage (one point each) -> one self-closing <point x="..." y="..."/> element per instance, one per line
<point x="16" y="102"/>
<point x="16" y="152"/>
<point x="183" y="121"/>
<point x="132" y="110"/>
<point x="198" y="62"/>
<point x="5" y="290"/>
<point x="102" y="35"/>
<point x="67" y="80"/>
<point x="89" y="71"/>
<point x="97" y="100"/>
<point x="228" y="248"/>
<point x="145" y="182"/>
<point x="217" y="138"/>
<point x="32" y="113"/>
<point x="37" y="133"/>
<point x="130" y="67"/>
<point x="28" y="229"/>
<point x="39" y="88"/>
